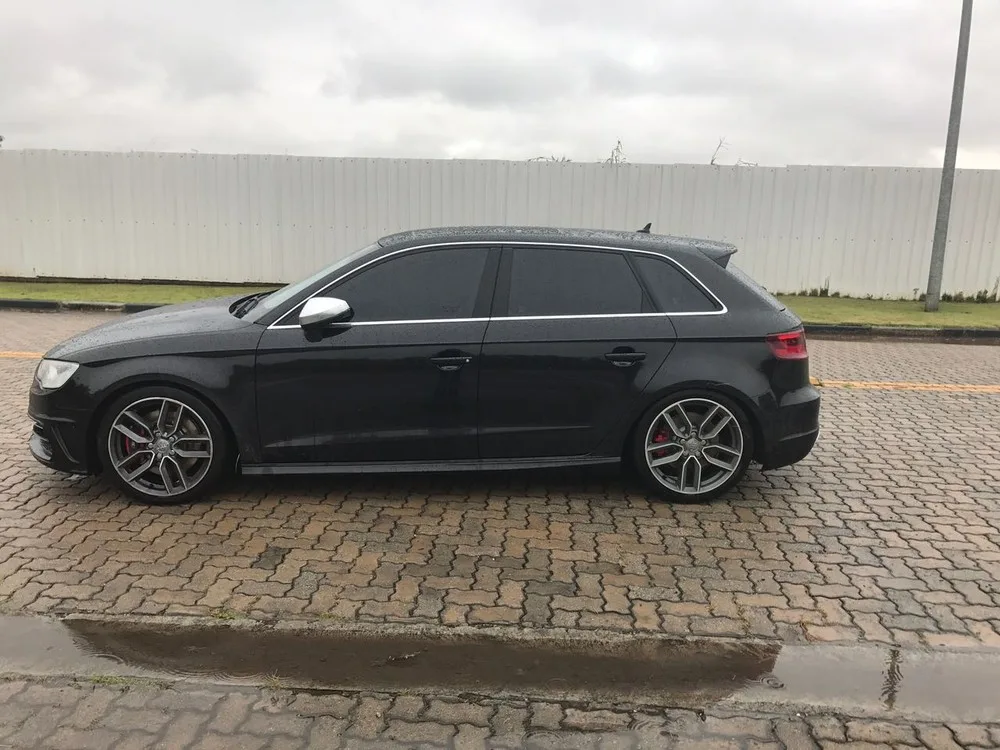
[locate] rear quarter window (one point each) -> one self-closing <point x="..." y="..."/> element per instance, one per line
<point x="671" y="288"/>
<point x="755" y="288"/>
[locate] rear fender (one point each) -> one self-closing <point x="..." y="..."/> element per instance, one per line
<point x="691" y="367"/>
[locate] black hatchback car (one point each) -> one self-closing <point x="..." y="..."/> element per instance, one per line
<point x="440" y="350"/>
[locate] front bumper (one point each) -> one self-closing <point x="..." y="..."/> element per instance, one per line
<point x="59" y="434"/>
<point x="793" y="429"/>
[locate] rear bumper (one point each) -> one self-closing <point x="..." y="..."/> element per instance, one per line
<point x="793" y="429"/>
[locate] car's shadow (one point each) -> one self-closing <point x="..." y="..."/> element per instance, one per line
<point x="613" y="485"/>
<point x="608" y="484"/>
<point x="590" y="482"/>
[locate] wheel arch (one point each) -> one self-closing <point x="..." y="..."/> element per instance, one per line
<point x="93" y="454"/>
<point x="742" y="400"/>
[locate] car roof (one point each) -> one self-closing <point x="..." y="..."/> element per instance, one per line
<point x="636" y="240"/>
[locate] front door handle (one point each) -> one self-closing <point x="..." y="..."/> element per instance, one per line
<point x="451" y="364"/>
<point x="624" y="359"/>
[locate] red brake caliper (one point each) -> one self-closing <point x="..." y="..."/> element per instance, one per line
<point x="663" y="436"/>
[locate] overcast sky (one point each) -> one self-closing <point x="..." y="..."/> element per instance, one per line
<point x="784" y="81"/>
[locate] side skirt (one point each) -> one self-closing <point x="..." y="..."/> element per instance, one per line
<point x="511" y="464"/>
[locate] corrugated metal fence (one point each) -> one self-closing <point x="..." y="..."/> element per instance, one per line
<point x="854" y="230"/>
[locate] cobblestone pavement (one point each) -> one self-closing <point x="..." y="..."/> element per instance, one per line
<point x="126" y="715"/>
<point x="888" y="532"/>
<point x="914" y="362"/>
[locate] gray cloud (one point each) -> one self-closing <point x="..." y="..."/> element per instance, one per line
<point x="472" y="79"/>
<point x="108" y="55"/>
<point x="785" y="81"/>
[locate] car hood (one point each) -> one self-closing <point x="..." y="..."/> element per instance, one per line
<point x="190" y="327"/>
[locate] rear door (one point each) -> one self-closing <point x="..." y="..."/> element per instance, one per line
<point x="573" y="340"/>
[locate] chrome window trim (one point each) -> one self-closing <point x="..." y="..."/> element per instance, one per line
<point x="277" y="325"/>
<point x="404" y="322"/>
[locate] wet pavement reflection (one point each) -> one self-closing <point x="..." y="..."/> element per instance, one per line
<point x="624" y="669"/>
<point x="647" y="668"/>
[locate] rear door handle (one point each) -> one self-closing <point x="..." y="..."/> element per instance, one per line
<point x="451" y="364"/>
<point x="624" y="359"/>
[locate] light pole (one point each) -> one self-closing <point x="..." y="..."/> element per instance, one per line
<point x="948" y="170"/>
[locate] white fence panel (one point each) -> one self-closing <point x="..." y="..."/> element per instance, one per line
<point x="263" y="218"/>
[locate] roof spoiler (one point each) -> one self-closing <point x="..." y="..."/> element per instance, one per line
<point x="719" y="253"/>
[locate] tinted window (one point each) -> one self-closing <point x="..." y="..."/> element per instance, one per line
<point x="428" y="285"/>
<point x="672" y="289"/>
<point x="550" y="281"/>
<point x="281" y="296"/>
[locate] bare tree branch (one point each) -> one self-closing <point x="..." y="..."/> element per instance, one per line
<point x="617" y="154"/>
<point x="715" y="154"/>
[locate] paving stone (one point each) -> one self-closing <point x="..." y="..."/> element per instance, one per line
<point x="938" y="738"/>
<point x="593" y="721"/>
<point x="459" y="712"/>
<point x="82" y="739"/>
<point x="411" y="732"/>
<point x="972" y="735"/>
<point x="231" y="712"/>
<point x="148" y="720"/>
<point x="268" y="724"/>
<point x="875" y="731"/>
<point x="91" y="707"/>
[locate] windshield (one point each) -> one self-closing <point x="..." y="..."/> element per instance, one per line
<point x="281" y="296"/>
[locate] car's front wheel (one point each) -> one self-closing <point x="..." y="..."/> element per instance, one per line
<point x="693" y="446"/>
<point x="162" y="445"/>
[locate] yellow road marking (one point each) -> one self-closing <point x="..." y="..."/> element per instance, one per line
<point x="20" y="355"/>
<point x="871" y="385"/>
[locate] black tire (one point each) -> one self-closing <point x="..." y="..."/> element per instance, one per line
<point x="203" y="475"/>
<point x="660" y="481"/>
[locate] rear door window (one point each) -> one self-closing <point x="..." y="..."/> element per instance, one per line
<point x="551" y="282"/>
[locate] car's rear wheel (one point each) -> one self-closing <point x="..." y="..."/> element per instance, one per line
<point x="693" y="446"/>
<point x="163" y="445"/>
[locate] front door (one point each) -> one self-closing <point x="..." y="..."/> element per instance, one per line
<point x="396" y="384"/>
<point x="571" y="347"/>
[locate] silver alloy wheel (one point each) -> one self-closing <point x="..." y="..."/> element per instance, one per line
<point x="694" y="446"/>
<point x="160" y="446"/>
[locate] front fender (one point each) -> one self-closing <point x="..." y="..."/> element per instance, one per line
<point x="225" y="382"/>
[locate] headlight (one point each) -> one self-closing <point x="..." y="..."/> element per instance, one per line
<point x="53" y="373"/>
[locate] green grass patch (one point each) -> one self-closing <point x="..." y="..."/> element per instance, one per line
<point x="893" y="312"/>
<point x="135" y="293"/>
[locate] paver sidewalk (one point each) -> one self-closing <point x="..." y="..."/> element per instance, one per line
<point x="889" y="532"/>
<point x="70" y="715"/>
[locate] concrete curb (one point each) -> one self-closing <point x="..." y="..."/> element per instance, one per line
<point x="814" y="330"/>
<point x="74" y="306"/>
<point x="958" y="335"/>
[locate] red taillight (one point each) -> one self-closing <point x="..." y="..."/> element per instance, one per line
<point x="791" y="345"/>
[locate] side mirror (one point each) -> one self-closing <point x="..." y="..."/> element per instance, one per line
<point x="320" y="311"/>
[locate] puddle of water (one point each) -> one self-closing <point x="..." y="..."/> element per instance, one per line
<point x="641" y="670"/>
<point x="954" y="685"/>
